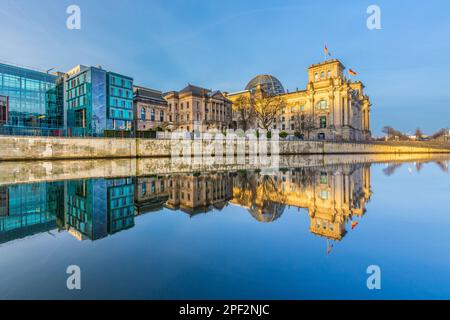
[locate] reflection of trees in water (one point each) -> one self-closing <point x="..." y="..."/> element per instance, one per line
<point x="443" y="165"/>
<point x="391" y="168"/>
<point x="246" y="182"/>
<point x="305" y="178"/>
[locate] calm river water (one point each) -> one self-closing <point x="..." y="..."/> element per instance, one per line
<point x="306" y="232"/>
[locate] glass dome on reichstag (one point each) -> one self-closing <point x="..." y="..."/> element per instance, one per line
<point x="269" y="84"/>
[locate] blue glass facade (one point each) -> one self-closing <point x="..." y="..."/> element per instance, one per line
<point x="98" y="207"/>
<point x="32" y="106"/>
<point x="88" y="209"/>
<point x="30" y="208"/>
<point x="98" y="102"/>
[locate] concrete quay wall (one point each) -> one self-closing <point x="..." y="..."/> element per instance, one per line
<point x="54" y="148"/>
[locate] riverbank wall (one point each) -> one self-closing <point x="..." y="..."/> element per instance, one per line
<point x="54" y="148"/>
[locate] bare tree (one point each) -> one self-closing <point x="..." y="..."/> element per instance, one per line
<point x="441" y="134"/>
<point x="267" y="109"/>
<point x="304" y="124"/>
<point x="393" y="133"/>
<point x="245" y="112"/>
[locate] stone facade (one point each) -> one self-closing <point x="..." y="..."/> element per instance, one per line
<point x="331" y="107"/>
<point x="150" y="109"/>
<point x="43" y="148"/>
<point x="198" y="109"/>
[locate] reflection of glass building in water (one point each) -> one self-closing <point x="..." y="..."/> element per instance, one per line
<point x="269" y="84"/>
<point x="98" y="207"/>
<point x="98" y="102"/>
<point x="28" y="209"/>
<point x="30" y="95"/>
<point x="334" y="196"/>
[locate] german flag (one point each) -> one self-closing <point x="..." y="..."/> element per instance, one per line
<point x="326" y="51"/>
<point x="352" y="72"/>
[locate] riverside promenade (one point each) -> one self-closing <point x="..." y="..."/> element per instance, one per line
<point x="13" y="148"/>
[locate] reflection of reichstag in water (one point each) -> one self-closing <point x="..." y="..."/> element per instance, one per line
<point x="334" y="197"/>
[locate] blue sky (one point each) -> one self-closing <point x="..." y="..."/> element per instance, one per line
<point x="223" y="44"/>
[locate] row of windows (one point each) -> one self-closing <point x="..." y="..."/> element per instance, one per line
<point x="77" y="91"/>
<point x="152" y="115"/>
<point x="122" y="212"/>
<point x="120" y="114"/>
<point x="121" y="191"/>
<point x="298" y="108"/>
<point x="152" y="187"/>
<point x="77" y="102"/>
<point x="323" y="76"/>
<point x="214" y="105"/>
<point x="120" y="103"/>
<point x="121" y="202"/>
<point x="322" y="123"/>
<point x="14" y="82"/>
<point x="75" y="82"/>
<point x="321" y="105"/>
<point x="118" y="81"/>
<point x="121" y="93"/>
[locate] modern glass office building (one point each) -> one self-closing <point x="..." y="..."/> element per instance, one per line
<point x="3" y="110"/>
<point x="98" y="102"/>
<point x="28" y="102"/>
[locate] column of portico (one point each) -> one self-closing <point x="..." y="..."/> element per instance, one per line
<point x="346" y="111"/>
<point x="332" y="109"/>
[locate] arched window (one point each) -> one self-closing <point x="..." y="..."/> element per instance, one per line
<point x="152" y="115"/>
<point x="316" y="76"/>
<point x="322" y="75"/>
<point x="322" y="105"/>
<point x="142" y="113"/>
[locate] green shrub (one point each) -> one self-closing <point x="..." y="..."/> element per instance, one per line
<point x="283" y="134"/>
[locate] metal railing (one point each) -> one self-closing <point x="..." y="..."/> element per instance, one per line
<point x="127" y="134"/>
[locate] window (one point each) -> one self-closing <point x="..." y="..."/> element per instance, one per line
<point x="302" y="108"/>
<point x="323" y="178"/>
<point x="329" y="73"/>
<point x="323" y="122"/>
<point x="152" y="115"/>
<point x="142" y="113"/>
<point x="321" y="136"/>
<point x="322" y="105"/>
<point x="324" y="195"/>
<point x="322" y="75"/>
<point x="161" y="116"/>
<point x="316" y="76"/>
